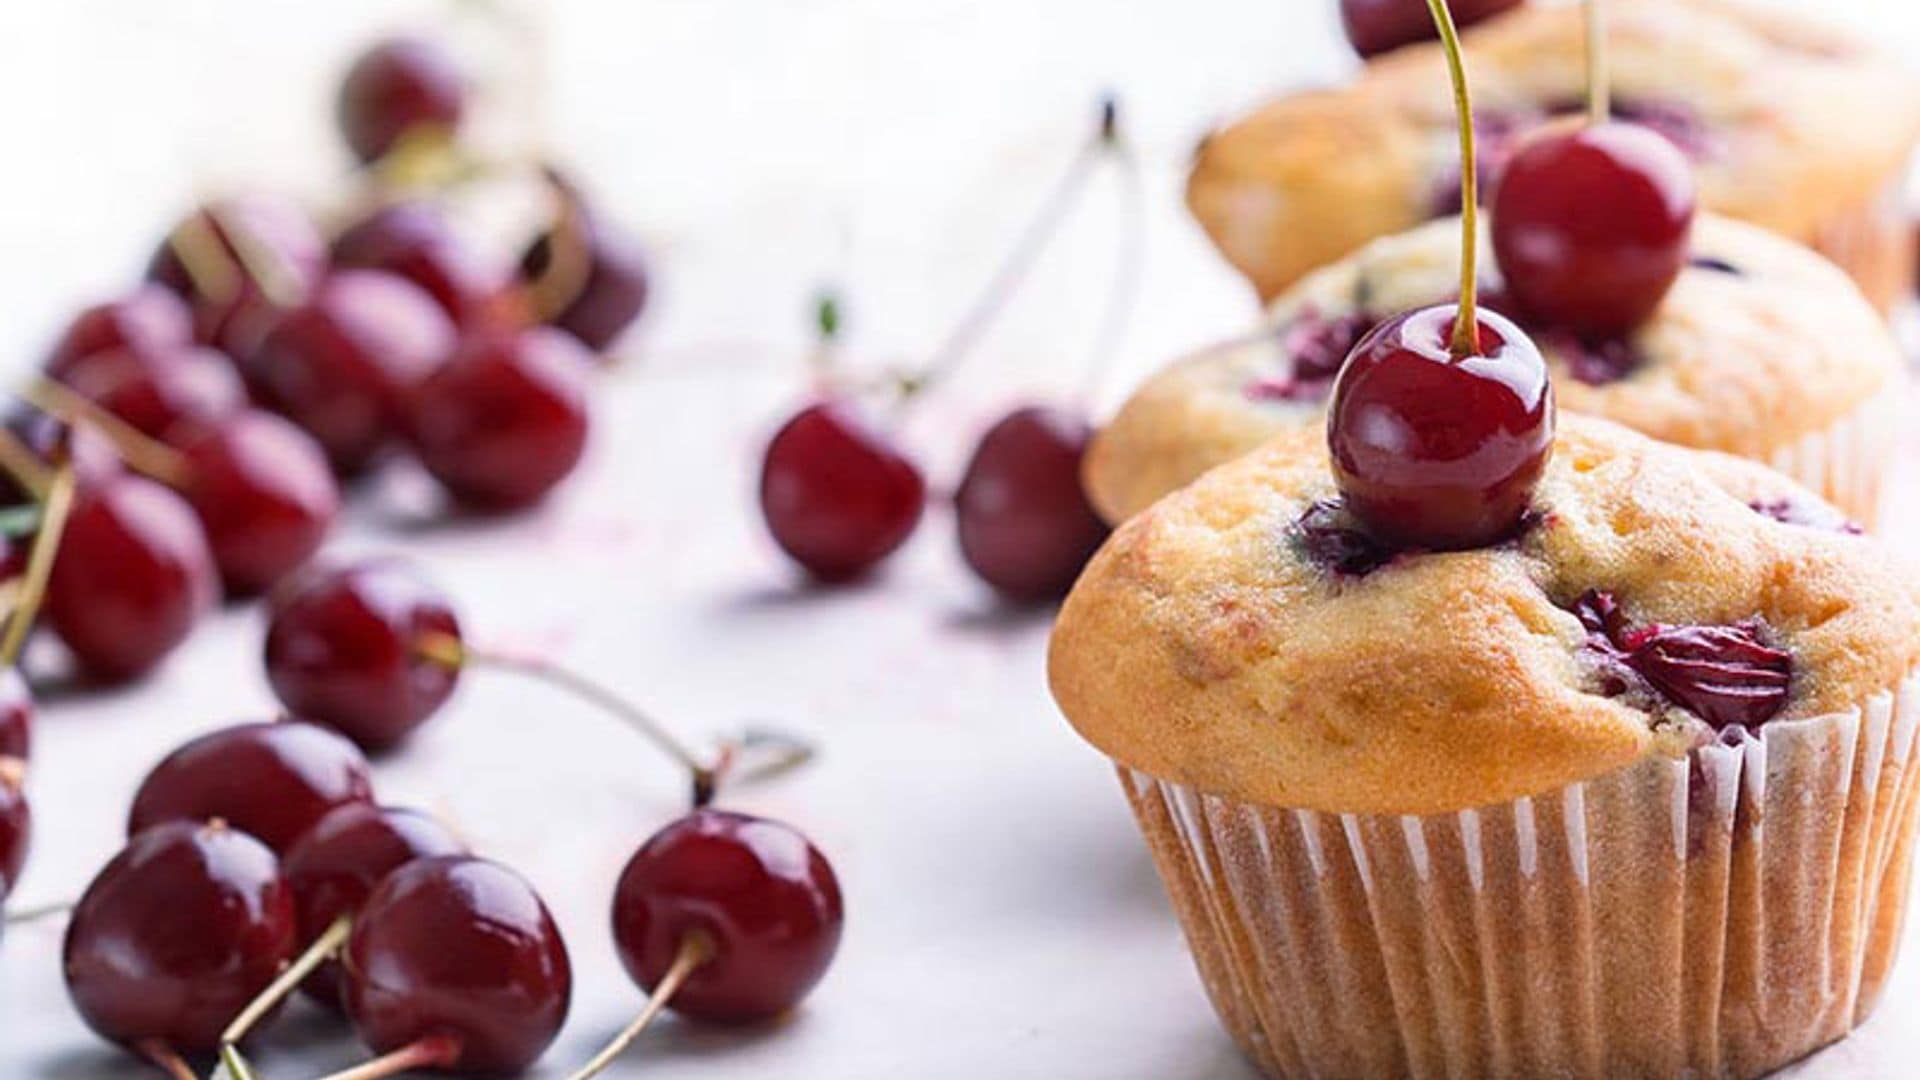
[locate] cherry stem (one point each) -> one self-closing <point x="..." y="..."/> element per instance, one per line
<point x="569" y="262"/>
<point x="23" y="465"/>
<point x="1125" y="284"/>
<point x="1466" y="322"/>
<point x="323" y="949"/>
<point x="46" y="548"/>
<point x="166" y="1057"/>
<point x="263" y="264"/>
<point x="145" y="454"/>
<point x="695" y="949"/>
<point x="22" y="916"/>
<point x="236" y="1064"/>
<point x="1599" y="103"/>
<point x="208" y="266"/>
<point x="429" y="1052"/>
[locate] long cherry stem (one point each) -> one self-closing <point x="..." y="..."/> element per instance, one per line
<point x="323" y="949"/>
<point x="20" y="916"/>
<point x="431" y="1052"/>
<point x="19" y="461"/>
<point x="209" y="267"/>
<point x="39" y="572"/>
<point x="144" y="454"/>
<point x="1126" y="272"/>
<point x="1466" y="323"/>
<point x="1599" y="90"/>
<point x="166" y="1057"/>
<point x="695" y="949"/>
<point x="236" y="1064"/>
<point x="262" y="264"/>
<point x="569" y="261"/>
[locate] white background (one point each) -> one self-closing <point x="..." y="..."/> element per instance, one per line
<point x="1002" y="917"/>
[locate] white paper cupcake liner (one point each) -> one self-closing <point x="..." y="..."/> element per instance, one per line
<point x="1847" y="461"/>
<point x="1718" y="915"/>
<point x="1873" y="241"/>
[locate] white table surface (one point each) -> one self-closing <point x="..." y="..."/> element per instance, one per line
<point x="1002" y="917"/>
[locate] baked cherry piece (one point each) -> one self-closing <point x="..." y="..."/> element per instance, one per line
<point x="335" y="865"/>
<point x="836" y="494"/>
<point x="133" y="576"/>
<point x="16" y="823"/>
<point x="1026" y="527"/>
<point x="16" y="715"/>
<point x="613" y="291"/>
<point x="1591" y="223"/>
<point x="341" y="364"/>
<point x="1726" y="675"/>
<point x="1433" y="450"/>
<point x="344" y="649"/>
<point x="264" y="494"/>
<point x="1376" y="26"/>
<point x="400" y="86"/>
<point x="231" y="310"/>
<point x="149" y="318"/>
<point x="180" y="930"/>
<point x="167" y="394"/>
<point x="505" y="420"/>
<point x="272" y="780"/>
<point x="414" y="240"/>
<point x="455" y="963"/>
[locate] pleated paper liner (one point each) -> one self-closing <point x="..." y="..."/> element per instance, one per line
<point x="1719" y="915"/>
<point x="1847" y="461"/>
<point x="1873" y="241"/>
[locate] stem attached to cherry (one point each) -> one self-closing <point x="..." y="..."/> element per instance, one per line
<point x="695" y="949"/>
<point x="430" y="1052"/>
<point x="1126" y="271"/>
<point x="166" y="1057"/>
<point x="1466" y="323"/>
<point x="323" y="949"/>
<point x="21" y="916"/>
<point x="142" y="453"/>
<point x="18" y="461"/>
<point x="46" y="547"/>
<point x="569" y="260"/>
<point x="208" y="266"/>
<point x="1599" y="92"/>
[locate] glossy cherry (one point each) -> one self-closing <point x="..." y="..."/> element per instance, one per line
<point x="17" y="714"/>
<point x="1026" y="527"/>
<point x="335" y="866"/>
<point x="167" y="394"/>
<point x="505" y="420"/>
<point x="614" y="290"/>
<point x="414" y="240"/>
<point x="457" y="953"/>
<point x="264" y="494"/>
<point x="134" y="574"/>
<point x="1376" y="26"/>
<point x="150" y="317"/>
<point x="272" y="780"/>
<point x="763" y="898"/>
<point x="1591" y="224"/>
<point x="344" y="649"/>
<point x="342" y="364"/>
<point x="180" y="930"/>
<point x="836" y="494"/>
<point x="1726" y="675"/>
<point x="400" y="86"/>
<point x="16" y="823"/>
<point x="280" y="239"/>
<point x="1437" y="451"/>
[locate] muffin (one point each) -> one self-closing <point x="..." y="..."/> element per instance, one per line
<point x="1761" y="349"/>
<point x="1790" y="126"/>
<point x="1626" y="793"/>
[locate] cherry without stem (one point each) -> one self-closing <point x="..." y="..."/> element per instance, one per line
<point x="231" y="303"/>
<point x="264" y="494"/>
<point x="17" y="714"/>
<point x="399" y="87"/>
<point x="150" y="318"/>
<point x="1377" y="26"/>
<point x="167" y="394"/>
<point x="272" y="780"/>
<point x="1026" y="527"/>
<point x="16" y="823"/>
<point x="414" y="240"/>
<point x="836" y="494"/>
<point x="613" y="289"/>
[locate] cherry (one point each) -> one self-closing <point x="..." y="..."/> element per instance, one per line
<point x="232" y="305"/>
<point x="1726" y="675"/>
<point x="455" y="963"/>
<point x="50" y="439"/>
<point x="505" y="420"/>
<point x="836" y="494"/>
<point x="16" y="715"/>
<point x="414" y="240"/>
<point x="1590" y="225"/>
<point x="1434" y="450"/>
<point x="613" y="288"/>
<point x="150" y="318"/>
<point x="16" y="823"/>
<point x="265" y="496"/>
<point x="167" y="394"/>
<point x="341" y="364"/>
<point x="1329" y="537"/>
<point x="335" y="865"/>
<point x="272" y="780"/>
<point x="401" y="86"/>
<point x="1315" y="346"/>
<point x="1026" y="527"/>
<point x="1377" y="26"/>
<point x="344" y="649"/>
<point x="133" y="576"/>
<point x="179" y="931"/>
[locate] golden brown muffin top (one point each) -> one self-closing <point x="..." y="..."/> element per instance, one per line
<point x="1207" y="645"/>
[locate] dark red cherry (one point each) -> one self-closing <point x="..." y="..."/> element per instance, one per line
<point x="614" y="291"/>
<point x="836" y="494"/>
<point x="1591" y="223"/>
<point x="341" y="365"/>
<point x="1376" y="26"/>
<point x="343" y="649"/>
<point x="282" y="240"/>
<point x="133" y="576"/>
<point x="272" y="780"/>
<point x="177" y="934"/>
<point x="166" y="394"/>
<point x="764" y="898"/>
<point x="414" y="240"/>
<point x="1026" y="527"/>
<point x="17" y="714"/>
<point x="16" y="823"/>
<point x="265" y="496"/>
<point x="399" y="86"/>
<point x="1726" y="675"/>
<point x="1437" y="452"/>
<point x="148" y="318"/>
<point x="505" y="420"/>
<point x="335" y="865"/>
<point x="464" y="949"/>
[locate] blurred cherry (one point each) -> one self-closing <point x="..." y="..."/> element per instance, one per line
<point x="16" y="823"/>
<point x="17" y="714"/>
<point x="612" y="286"/>
<point x="264" y="494"/>
<point x="1026" y="527"/>
<point x="271" y="780"/>
<point x="167" y="394"/>
<point x="400" y="86"/>
<point x="150" y="318"/>
<point x="836" y="494"/>
<point x="1377" y="26"/>
<point x="414" y="240"/>
<point x="233" y="307"/>
<point x="52" y="440"/>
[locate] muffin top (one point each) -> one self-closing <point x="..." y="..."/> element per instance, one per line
<point x="1785" y="120"/>
<point x="1245" y="637"/>
<point x="1758" y="343"/>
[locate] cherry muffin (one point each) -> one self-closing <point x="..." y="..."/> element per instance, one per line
<point x="1789" y="125"/>
<point x="1625" y="791"/>
<point x="1760" y="349"/>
